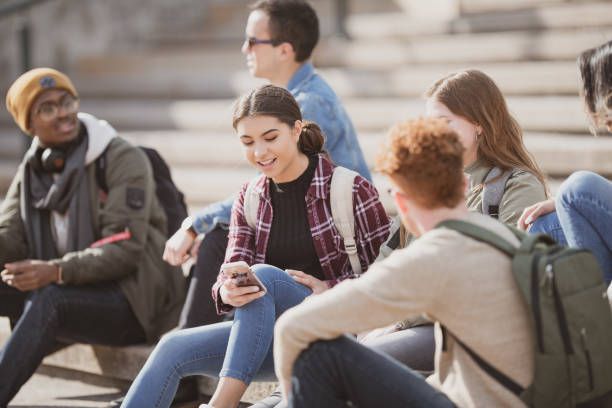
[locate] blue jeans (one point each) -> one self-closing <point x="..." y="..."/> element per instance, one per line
<point x="241" y="349"/>
<point x="47" y="318"/>
<point x="583" y="217"/>
<point x="331" y="373"/>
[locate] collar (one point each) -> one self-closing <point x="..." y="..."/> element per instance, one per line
<point x="477" y="172"/>
<point x="300" y="76"/>
<point x="100" y="135"/>
<point x="319" y="186"/>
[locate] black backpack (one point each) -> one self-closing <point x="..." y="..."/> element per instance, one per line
<point x="170" y="197"/>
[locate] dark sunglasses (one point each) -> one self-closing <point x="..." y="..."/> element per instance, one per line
<point x="252" y="41"/>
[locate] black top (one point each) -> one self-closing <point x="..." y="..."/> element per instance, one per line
<point x="290" y="245"/>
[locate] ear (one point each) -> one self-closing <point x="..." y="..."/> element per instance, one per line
<point x="286" y="51"/>
<point x="401" y="203"/>
<point x="297" y="130"/>
<point x="478" y="130"/>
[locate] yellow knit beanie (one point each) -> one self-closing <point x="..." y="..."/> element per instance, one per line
<point x="24" y="91"/>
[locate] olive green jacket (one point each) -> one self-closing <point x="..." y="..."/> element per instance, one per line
<point x="522" y="190"/>
<point x="154" y="289"/>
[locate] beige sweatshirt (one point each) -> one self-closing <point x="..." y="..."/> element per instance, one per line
<point x="457" y="281"/>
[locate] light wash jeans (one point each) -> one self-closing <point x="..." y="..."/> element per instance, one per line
<point x="241" y="349"/>
<point x="583" y="218"/>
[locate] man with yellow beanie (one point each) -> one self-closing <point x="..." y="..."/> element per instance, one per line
<point x="80" y="262"/>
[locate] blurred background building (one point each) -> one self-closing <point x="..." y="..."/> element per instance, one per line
<point x="165" y="72"/>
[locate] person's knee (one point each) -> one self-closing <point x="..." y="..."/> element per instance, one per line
<point x="47" y="298"/>
<point x="579" y="183"/>
<point x="170" y="344"/>
<point x="267" y="274"/>
<point x="318" y="351"/>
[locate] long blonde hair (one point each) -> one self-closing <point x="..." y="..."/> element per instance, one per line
<point x="474" y="96"/>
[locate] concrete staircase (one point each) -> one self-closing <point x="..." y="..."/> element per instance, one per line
<point x="176" y="95"/>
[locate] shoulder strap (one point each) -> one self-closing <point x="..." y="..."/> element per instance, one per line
<point x="480" y="234"/>
<point x="251" y="203"/>
<point x="493" y="190"/>
<point x="341" y="198"/>
<point x="500" y="377"/>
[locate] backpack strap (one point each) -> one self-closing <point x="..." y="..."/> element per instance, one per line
<point x="497" y="375"/>
<point x="251" y="203"/>
<point x="341" y="198"/>
<point x="493" y="190"/>
<point x="480" y="234"/>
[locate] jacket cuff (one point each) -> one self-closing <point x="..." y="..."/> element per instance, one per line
<point x="221" y="307"/>
<point x="69" y="271"/>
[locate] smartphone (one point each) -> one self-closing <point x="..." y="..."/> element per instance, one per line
<point x="242" y="274"/>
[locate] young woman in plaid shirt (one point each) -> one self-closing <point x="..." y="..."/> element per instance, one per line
<point x="294" y="249"/>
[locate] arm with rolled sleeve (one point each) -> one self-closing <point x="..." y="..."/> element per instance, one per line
<point x="128" y="170"/>
<point x="214" y="214"/>
<point x="522" y="190"/>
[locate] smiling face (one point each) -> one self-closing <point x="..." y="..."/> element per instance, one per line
<point x="271" y="147"/>
<point x="54" y="130"/>
<point x="262" y="59"/>
<point x="466" y="130"/>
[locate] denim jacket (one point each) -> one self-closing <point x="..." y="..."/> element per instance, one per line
<point x="319" y="104"/>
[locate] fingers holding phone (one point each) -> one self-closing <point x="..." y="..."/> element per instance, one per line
<point x="242" y="286"/>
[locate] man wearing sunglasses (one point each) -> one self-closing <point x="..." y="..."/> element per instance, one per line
<point x="280" y="36"/>
<point x="78" y="263"/>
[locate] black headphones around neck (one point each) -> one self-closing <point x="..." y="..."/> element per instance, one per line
<point x="53" y="159"/>
<point x="48" y="160"/>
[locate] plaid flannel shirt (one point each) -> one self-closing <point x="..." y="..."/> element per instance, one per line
<point x="371" y="228"/>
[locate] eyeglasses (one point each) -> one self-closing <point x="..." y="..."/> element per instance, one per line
<point x="252" y="41"/>
<point x="48" y="111"/>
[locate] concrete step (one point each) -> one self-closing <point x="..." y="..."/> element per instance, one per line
<point x="122" y="363"/>
<point x="480" y="6"/>
<point x="195" y="82"/>
<point x="562" y="114"/>
<point x="536" y="78"/>
<point x="209" y="166"/>
<point x="547" y="45"/>
<point x="534" y="17"/>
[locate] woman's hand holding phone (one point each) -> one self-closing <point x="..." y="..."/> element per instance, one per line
<point x="236" y="296"/>
<point x="241" y="285"/>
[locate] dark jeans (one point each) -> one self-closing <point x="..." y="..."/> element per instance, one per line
<point x="199" y="308"/>
<point x="343" y="373"/>
<point x="413" y="347"/>
<point x="95" y="314"/>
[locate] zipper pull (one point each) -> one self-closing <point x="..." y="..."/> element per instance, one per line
<point x="583" y="338"/>
<point x="547" y="280"/>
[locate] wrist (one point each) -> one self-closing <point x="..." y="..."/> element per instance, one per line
<point x="187" y="226"/>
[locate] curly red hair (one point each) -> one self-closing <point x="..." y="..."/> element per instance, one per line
<point x="424" y="157"/>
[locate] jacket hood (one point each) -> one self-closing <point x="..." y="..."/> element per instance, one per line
<point x="100" y="135"/>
